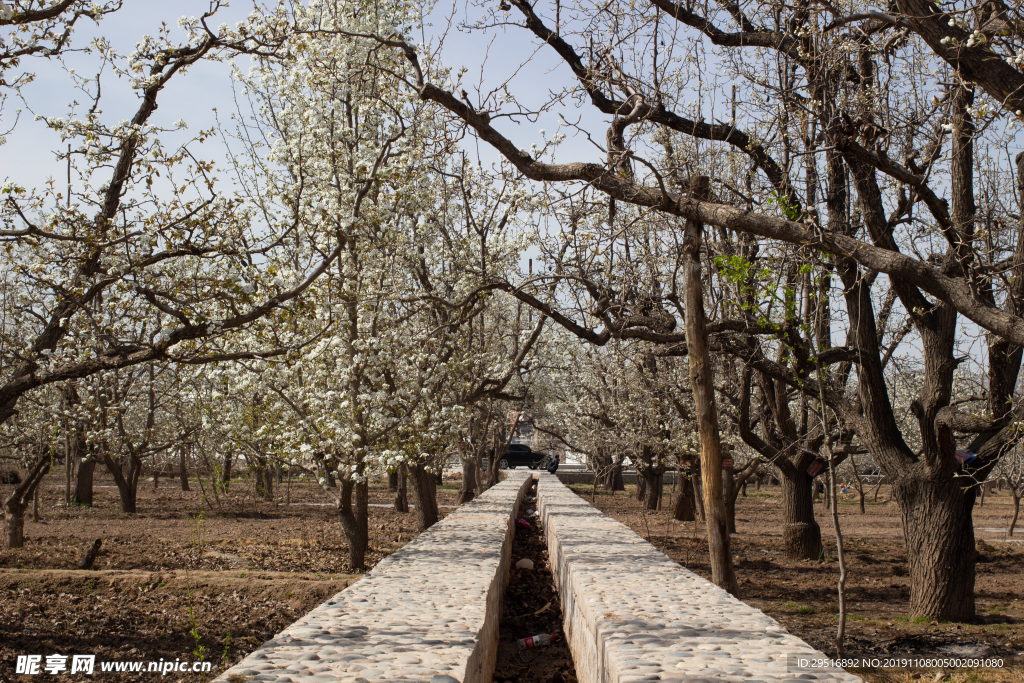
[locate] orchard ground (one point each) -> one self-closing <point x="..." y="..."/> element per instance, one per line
<point x="802" y="594"/>
<point x="184" y="578"/>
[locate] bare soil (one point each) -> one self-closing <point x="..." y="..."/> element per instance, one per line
<point x="802" y="594"/>
<point x="532" y="607"/>
<point x="186" y="577"/>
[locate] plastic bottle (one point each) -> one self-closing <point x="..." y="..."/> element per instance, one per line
<point x="537" y="641"/>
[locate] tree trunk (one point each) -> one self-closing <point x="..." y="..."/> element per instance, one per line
<point x="69" y="468"/>
<point x="15" y="505"/>
<point x="393" y="481"/>
<point x="424" y="483"/>
<point x="183" y="470"/>
<point x="355" y="521"/>
<point x="939" y="529"/>
<point x="127" y="479"/>
<point x="401" y="490"/>
<point x="83" y="482"/>
<point x="469" y="475"/>
<point x="263" y="479"/>
<point x="653" y="487"/>
<point x="641" y="486"/>
<point x="729" y="484"/>
<point x="14" y="523"/>
<point x="617" y="483"/>
<point x="1016" y="512"/>
<point x="801" y="535"/>
<point x="225" y="475"/>
<point x="685" y="508"/>
<point x="268" y="482"/>
<point x="860" y="499"/>
<point x="703" y="382"/>
<point x="698" y="495"/>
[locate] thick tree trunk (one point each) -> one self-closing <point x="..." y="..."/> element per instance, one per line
<point x="401" y="490"/>
<point x="183" y="470"/>
<point x="14" y="526"/>
<point x="653" y="487"/>
<point x="225" y="475"/>
<point x="641" y="486"/>
<point x="698" y="495"/>
<point x="424" y="484"/>
<point x="83" y="482"/>
<point x="355" y="521"/>
<point x="268" y="481"/>
<point x="617" y="483"/>
<point x="15" y="505"/>
<point x="939" y="528"/>
<point x="702" y="381"/>
<point x="126" y="479"/>
<point x="469" y="476"/>
<point x="685" y="507"/>
<point x="1016" y="512"/>
<point x="264" y="480"/>
<point x="801" y="535"/>
<point x="393" y="481"/>
<point x="729" y="484"/>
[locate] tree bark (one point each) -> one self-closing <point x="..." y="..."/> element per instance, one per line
<point x="685" y="507"/>
<point x="1016" y="512"/>
<point x="183" y="470"/>
<point x="126" y="479"/>
<point x="83" y="482"/>
<point x="355" y="521"/>
<point x="702" y="381"/>
<point x="263" y="479"/>
<point x="696" y="484"/>
<point x="401" y="490"/>
<point x="225" y="475"/>
<point x="15" y="505"/>
<point x="424" y="483"/>
<point x="393" y="481"/>
<point x="653" y="477"/>
<point x="939" y="528"/>
<point x="801" y="534"/>
<point x="469" y="476"/>
<point x="617" y="482"/>
<point x="729" y="492"/>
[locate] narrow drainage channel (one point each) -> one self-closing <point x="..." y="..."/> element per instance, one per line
<point x="532" y="607"/>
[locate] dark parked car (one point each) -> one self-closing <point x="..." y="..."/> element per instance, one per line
<point x="519" y="454"/>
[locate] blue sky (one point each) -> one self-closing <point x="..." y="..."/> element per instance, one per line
<point x="29" y="155"/>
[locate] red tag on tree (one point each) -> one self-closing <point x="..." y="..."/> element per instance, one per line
<point x="726" y="463"/>
<point x="815" y="467"/>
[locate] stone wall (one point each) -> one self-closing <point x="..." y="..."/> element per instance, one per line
<point x="432" y="607"/>
<point x="633" y="614"/>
